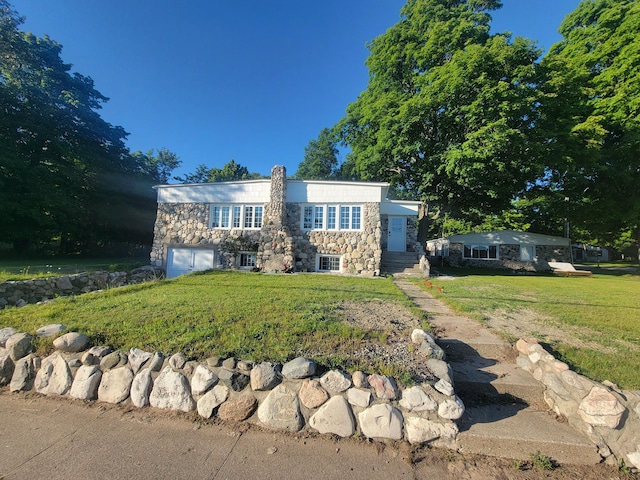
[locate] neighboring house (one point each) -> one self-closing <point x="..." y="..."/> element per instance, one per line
<point x="506" y="249"/>
<point x="278" y="224"/>
<point x="583" y="252"/>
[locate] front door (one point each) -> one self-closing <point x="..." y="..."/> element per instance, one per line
<point x="397" y="241"/>
<point x="187" y="260"/>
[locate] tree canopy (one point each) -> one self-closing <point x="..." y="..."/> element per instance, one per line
<point x="229" y="172"/>
<point x="320" y="158"/>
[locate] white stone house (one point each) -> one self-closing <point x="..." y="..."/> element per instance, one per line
<point x="278" y="224"/>
<point x="506" y="249"/>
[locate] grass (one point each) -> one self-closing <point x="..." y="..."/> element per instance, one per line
<point x="27" y="269"/>
<point x="602" y="311"/>
<point x="251" y="316"/>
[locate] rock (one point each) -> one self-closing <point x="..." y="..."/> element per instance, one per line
<point x="177" y="361"/>
<point x="451" y="408"/>
<point x="171" y="391"/>
<point x="211" y="400"/>
<point x="281" y="410"/>
<point x="264" y="376"/>
<point x="299" y="368"/>
<point x="71" y="342"/>
<point x="238" y="409"/>
<point x="234" y="380"/>
<point x="444" y="387"/>
<point x="113" y="360"/>
<point x="213" y="362"/>
<point x="417" y="400"/>
<point x="418" y="336"/>
<point x="229" y="363"/>
<point x="21" y="303"/>
<point x="634" y="458"/>
<point x="156" y="362"/>
<point x="6" y="367"/>
<point x="429" y="349"/>
<point x="523" y="345"/>
<point x="421" y="430"/>
<point x="311" y="394"/>
<point x="335" y="417"/>
<point x="137" y="359"/>
<point x="384" y="386"/>
<point x="85" y="384"/>
<point x="115" y="385"/>
<point x="18" y="345"/>
<point x="440" y="369"/>
<point x="335" y="381"/>
<point x="245" y="366"/>
<point x="524" y="363"/>
<point x="360" y="379"/>
<point x="381" y="421"/>
<point x="95" y="354"/>
<point x="202" y="381"/>
<point x="358" y="397"/>
<point x="24" y="373"/>
<point x="54" y="376"/>
<point x="601" y="408"/>
<point x="5" y="333"/>
<point x="141" y="388"/>
<point x="51" y="330"/>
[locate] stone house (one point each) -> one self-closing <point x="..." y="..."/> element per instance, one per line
<point x="278" y="224"/>
<point x="505" y="249"/>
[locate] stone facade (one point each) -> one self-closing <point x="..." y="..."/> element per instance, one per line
<point x="281" y="245"/>
<point x="509" y="258"/>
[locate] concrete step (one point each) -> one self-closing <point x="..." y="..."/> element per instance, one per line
<point x="479" y="381"/>
<point x="517" y="432"/>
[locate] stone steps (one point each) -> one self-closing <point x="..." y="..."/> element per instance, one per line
<point x="518" y="432"/>
<point x="400" y="264"/>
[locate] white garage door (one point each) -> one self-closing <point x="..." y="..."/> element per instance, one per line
<point x="187" y="260"/>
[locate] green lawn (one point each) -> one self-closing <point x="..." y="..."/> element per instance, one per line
<point x="251" y="316"/>
<point x="599" y="315"/>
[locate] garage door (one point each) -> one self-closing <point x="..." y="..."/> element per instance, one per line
<point x="187" y="260"/>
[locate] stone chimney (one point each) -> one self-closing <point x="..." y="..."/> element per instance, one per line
<point x="276" y="209"/>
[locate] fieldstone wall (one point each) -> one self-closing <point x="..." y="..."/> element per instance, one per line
<point x="23" y="292"/>
<point x="610" y="417"/>
<point x="510" y="258"/>
<point x="291" y="397"/>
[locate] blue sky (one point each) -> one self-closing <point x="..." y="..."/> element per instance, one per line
<point x="248" y="80"/>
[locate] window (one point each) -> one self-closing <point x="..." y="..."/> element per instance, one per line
<point x="328" y="263"/>
<point x="247" y="260"/>
<point x="236" y="216"/>
<point x="331" y="217"/>
<point x="527" y="253"/>
<point x="481" y="252"/>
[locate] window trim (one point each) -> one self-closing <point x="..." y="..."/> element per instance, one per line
<point x="532" y="249"/>
<point x="236" y="216"/>
<point x="319" y="256"/>
<point x="330" y="217"/>
<point x="488" y="247"/>
<point x="247" y="255"/>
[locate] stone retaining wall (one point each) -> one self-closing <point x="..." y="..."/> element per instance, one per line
<point x="289" y="397"/>
<point x="607" y="415"/>
<point x="23" y="292"/>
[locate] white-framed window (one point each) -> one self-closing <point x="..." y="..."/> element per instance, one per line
<point x="247" y="260"/>
<point x="481" y="252"/>
<point x="328" y="263"/>
<point x="236" y="216"/>
<point x="332" y="217"/>
<point x="527" y="253"/>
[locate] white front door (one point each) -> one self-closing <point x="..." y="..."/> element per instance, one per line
<point x="397" y="241"/>
<point x="187" y="260"/>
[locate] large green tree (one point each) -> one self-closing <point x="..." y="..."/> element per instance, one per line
<point x="229" y="172"/>
<point x="592" y="119"/>
<point x="66" y="177"/>
<point x="320" y="158"/>
<point x="449" y="111"/>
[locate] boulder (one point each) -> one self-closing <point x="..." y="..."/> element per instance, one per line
<point x="451" y="408"/>
<point x="264" y="376"/>
<point x="141" y="388"/>
<point x="5" y="333"/>
<point x="381" y="421"/>
<point x="137" y="358"/>
<point x="54" y="376"/>
<point x="156" y="362"/>
<point x="202" y="381"/>
<point x="384" y="386"/>
<point x="360" y="379"/>
<point x="440" y="369"/>
<point x="6" y="367"/>
<point x="113" y="360"/>
<point x="177" y="361"/>
<point x="19" y="345"/>
<point x="311" y="394"/>
<point x="24" y="373"/>
<point x="115" y="385"/>
<point x="229" y="363"/>
<point x="86" y="382"/>
<point x="444" y="387"/>
<point x="358" y="397"/>
<point x="601" y="408"/>
<point x="212" y="400"/>
<point x="281" y="410"/>
<point x="421" y="430"/>
<point x="334" y="417"/>
<point x="299" y="368"/>
<point x="51" y="330"/>
<point x="335" y="381"/>
<point x="171" y="391"/>
<point x="238" y="409"/>
<point x="416" y="399"/>
<point x="71" y="342"/>
<point x="234" y="380"/>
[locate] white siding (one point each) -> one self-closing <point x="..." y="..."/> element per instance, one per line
<point x="396" y="207"/>
<point x="306" y="191"/>
<point x="251" y="191"/>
